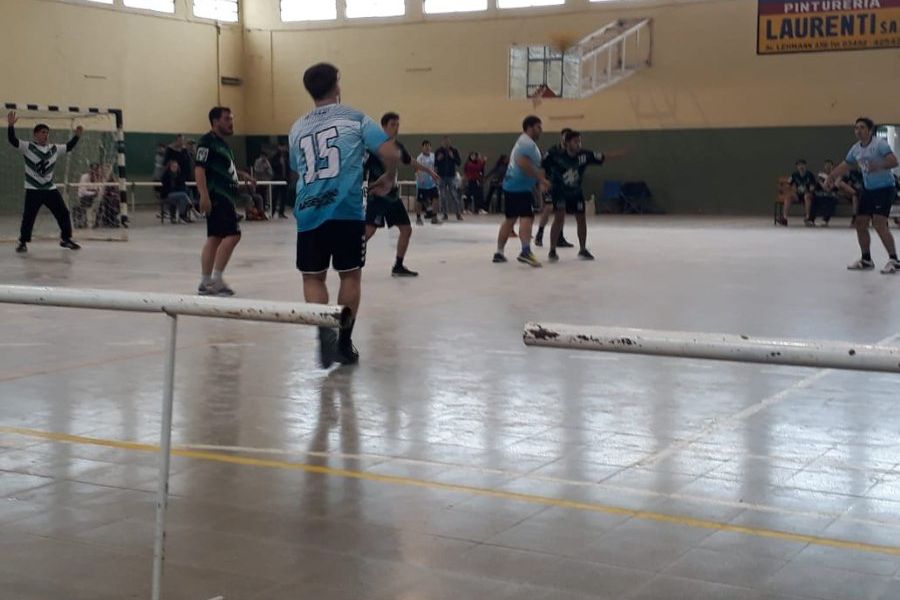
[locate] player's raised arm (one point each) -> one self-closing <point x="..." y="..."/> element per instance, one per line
<point x="11" y="128"/>
<point x="70" y="145"/>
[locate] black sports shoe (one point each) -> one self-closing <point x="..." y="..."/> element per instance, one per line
<point x="327" y="346"/>
<point x="347" y="354"/>
<point x="124" y="220"/>
<point x="539" y="240"/>
<point x="70" y="244"/>
<point x="585" y="255"/>
<point x="21" y="247"/>
<point x="553" y="256"/>
<point x="564" y="243"/>
<point x="401" y="271"/>
<point x="499" y="258"/>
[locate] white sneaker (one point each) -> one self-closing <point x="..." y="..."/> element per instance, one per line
<point x="892" y="267"/>
<point x="861" y="265"/>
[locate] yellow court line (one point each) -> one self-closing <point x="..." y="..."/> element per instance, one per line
<point x="463" y="489"/>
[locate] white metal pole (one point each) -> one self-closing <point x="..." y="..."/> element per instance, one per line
<point x="165" y="447"/>
<point x="717" y="346"/>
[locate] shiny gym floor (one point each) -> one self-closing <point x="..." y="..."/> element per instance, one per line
<point x="453" y="462"/>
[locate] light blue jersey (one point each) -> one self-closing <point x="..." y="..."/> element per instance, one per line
<point x="516" y="180"/>
<point x="424" y="180"/>
<point x="877" y="150"/>
<point x="327" y="149"/>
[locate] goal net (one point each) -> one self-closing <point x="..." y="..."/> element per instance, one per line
<point x="91" y="178"/>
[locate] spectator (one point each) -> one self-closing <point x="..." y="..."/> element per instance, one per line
<point x="826" y="198"/>
<point x="804" y="187"/>
<point x="159" y="162"/>
<point x="495" y="183"/>
<point x="280" y="172"/>
<point x="446" y="162"/>
<point x="852" y="185"/>
<point x="90" y="189"/>
<point x="179" y="152"/>
<point x="262" y="171"/>
<point x="474" y="172"/>
<point x="108" y="211"/>
<point x="175" y="193"/>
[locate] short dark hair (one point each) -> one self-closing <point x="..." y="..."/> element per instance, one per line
<point x="800" y="161"/>
<point x="426" y="142"/>
<point x="530" y="121"/>
<point x="829" y="160"/>
<point x="216" y="112"/>
<point x="320" y="80"/>
<point x="869" y="123"/>
<point x="41" y="127"/>
<point x="388" y="117"/>
<point x="571" y="135"/>
<point x="565" y="131"/>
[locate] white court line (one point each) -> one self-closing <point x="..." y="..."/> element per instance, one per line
<point x="517" y="475"/>
<point x="734" y="419"/>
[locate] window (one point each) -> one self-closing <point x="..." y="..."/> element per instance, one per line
<point x="375" y="8"/>
<point x="543" y="71"/>
<point x="433" y="7"/>
<point x="527" y="3"/>
<point x="308" y="10"/>
<point x="220" y="10"/>
<point x="166" y="6"/>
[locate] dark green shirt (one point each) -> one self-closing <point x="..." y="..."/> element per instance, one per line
<point x="374" y="168"/>
<point x="214" y="155"/>
<point x="566" y="172"/>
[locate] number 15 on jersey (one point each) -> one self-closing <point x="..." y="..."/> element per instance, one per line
<point x="323" y="161"/>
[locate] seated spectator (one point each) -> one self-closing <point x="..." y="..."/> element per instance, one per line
<point x="826" y="196"/>
<point x="474" y="173"/>
<point x="175" y="193"/>
<point x="263" y="171"/>
<point x="254" y="204"/>
<point x="90" y="189"/>
<point x="804" y="187"/>
<point x="110" y="205"/>
<point x="495" y="183"/>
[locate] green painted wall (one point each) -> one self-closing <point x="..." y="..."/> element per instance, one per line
<point x="690" y="171"/>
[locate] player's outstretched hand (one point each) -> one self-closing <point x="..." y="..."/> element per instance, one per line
<point x="78" y="131"/>
<point x="11" y="117"/>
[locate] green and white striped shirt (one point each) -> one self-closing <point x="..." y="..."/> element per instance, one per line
<point x="39" y="164"/>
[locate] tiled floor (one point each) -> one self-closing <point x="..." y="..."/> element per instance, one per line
<point x="453" y="462"/>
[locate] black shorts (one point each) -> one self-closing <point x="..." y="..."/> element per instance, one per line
<point x="381" y="211"/>
<point x="876" y="202"/>
<point x="339" y="243"/>
<point x="519" y="204"/>
<point x="573" y="205"/>
<point x="222" y="221"/>
<point x="426" y="197"/>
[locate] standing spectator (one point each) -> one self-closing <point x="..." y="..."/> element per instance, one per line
<point x="280" y="172"/>
<point x="446" y="162"/>
<point x="175" y="193"/>
<point x="159" y="162"/>
<point x="474" y="172"/>
<point x="179" y="152"/>
<point x="826" y="199"/>
<point x="495" y="183"/>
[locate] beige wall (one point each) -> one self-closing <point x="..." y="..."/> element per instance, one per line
<point x="451" y="74"/>
<point x="161" y="70"/>
<point x="446" y="74"/>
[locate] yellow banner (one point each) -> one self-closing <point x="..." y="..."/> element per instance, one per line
<point x="787" y="27"/>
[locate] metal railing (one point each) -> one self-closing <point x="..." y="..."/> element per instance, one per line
<point x="716" y="346"/>
<point x="172" y="305"/>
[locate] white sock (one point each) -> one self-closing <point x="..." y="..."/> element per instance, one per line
<point x="216" y="275"/>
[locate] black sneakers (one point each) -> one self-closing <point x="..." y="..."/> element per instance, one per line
<point x="70" y="244"/>
<point x="327" y="346"/>
<point x="564" y="243"/>
<point x="347" y="354"/>
<point x="499" y="258"/>
<point x="21" y="247"/>
<point x="401" y="271"/>
<point x="585" y="255"/>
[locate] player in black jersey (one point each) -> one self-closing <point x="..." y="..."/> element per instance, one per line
<point x="389" y="209"/>
<point x="547" y="199"/>
<point x="565" y="170"/>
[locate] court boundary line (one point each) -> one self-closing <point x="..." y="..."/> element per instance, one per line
<point x="547" y="501"/>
